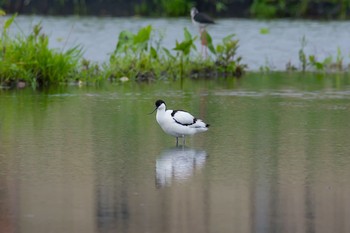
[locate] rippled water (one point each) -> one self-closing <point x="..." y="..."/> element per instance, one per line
<point x="276" y="158"/>
<point x="281" y="45"/>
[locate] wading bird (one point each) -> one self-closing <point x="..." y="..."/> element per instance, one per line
<point x="201" y="20"/>
<point x="178" y="123"/>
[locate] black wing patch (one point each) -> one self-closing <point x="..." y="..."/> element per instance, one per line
<point x="203" y="18"/>
<point x="182" y="123"/>
<point x="194" y="121"/>
<point x="173" y="113"/>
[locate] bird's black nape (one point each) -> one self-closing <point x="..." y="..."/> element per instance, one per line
<point x="159" y="102"/>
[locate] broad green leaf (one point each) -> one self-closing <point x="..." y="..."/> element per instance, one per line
<point x="187" y="34"/>
<point x="184" y="46"/>
<point x="125" y="38"/>
<point x="143" y="35"/>
<point x="142" y="38"/>
<point x="210" y="43"/>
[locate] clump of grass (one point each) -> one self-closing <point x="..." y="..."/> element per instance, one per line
<point x="29" y="59"/>
<point x="312" y="63"/>
<point x="140" y="57"/>
<point x="134" y="56"/>
<point x="226" y="61"/>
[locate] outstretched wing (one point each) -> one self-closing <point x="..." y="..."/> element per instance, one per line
<point x="183" y="117"/>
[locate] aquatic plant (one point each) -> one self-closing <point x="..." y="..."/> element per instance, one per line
<point x="29" y="59"/>
<point x="312" y="62"/>
<point x="139" y="56"/>
<point x="184" y="48"/>
<point x="328" y="64"/>
<point x="302" y="55"/>
<point x="226" y="57"/>
<point x="264" y="31"/>
<point x="134" y="56"/>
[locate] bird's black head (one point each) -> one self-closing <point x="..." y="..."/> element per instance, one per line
<point x="159" y="102"/>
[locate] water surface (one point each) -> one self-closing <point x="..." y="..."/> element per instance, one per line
<point x="276" y="158"/>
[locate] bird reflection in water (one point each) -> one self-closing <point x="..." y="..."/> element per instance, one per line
<point x="178" y="164"/>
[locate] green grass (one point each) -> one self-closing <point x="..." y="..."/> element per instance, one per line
<point x="139" y="57"/>
<point x="29" y="59"/>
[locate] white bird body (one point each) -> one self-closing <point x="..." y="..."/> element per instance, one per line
<point x="178" y="123"/>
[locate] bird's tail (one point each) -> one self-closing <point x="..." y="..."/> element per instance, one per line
<point x="200" y="125"/>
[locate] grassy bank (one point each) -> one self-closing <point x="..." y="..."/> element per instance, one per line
<point x="28" y="60"/>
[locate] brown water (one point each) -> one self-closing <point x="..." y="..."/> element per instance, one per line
<point x="276" y="158"/>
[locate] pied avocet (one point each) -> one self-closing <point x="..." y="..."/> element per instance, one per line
<point x="178" y="123"/>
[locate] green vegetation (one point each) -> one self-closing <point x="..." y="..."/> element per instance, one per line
<point x="139" y="57"/>
<point x="163" y="8"/>
<point x="29" y="59"/>
<point x="263" y="9"/>
<point x="300" y="9"/>
<point x="312" y="63"/>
